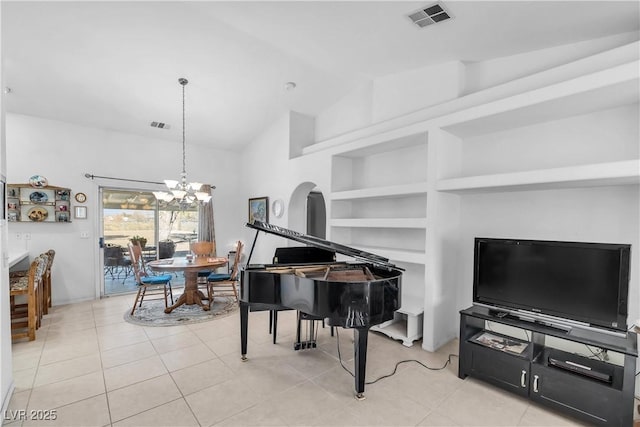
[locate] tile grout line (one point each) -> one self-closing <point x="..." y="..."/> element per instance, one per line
<point x="104" y="380"/>
<point x="174" y="380"/>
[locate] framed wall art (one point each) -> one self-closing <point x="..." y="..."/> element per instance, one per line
<point x="259" y="209"/>
<point x="80" y="212"/>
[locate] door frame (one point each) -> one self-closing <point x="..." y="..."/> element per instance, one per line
<point x="100" y="227"/>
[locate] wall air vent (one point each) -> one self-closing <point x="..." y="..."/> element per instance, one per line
<point x="429" y="15"/>
<point x="159" y="125"/>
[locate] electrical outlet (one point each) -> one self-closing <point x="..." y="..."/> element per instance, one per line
<point x="27" y="236"/>
<point x="84" y="234"/>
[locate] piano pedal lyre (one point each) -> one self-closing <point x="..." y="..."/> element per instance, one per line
<point x="306" y="336"/>
<point x="305" y="345"/>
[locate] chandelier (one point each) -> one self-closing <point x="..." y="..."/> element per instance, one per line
<point x="184" y="194"/>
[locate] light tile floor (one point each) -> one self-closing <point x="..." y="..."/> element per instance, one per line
<point x="94" y="369"/>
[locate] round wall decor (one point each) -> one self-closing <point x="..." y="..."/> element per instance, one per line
<point x="38" y="181"/>
<point x="277" y="207"/>
<point x="81" y="197"/>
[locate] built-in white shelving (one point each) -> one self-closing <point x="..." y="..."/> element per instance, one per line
<point x="380" y="222"/>
<point x="389" y="191"/>
<point x="600" y="174"/>
<point x="593" y="92"/>
<point x="562" y="129"/>
<point x="380" y="207"/>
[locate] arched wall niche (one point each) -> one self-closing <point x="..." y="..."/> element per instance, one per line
<point x="297" y="218"/>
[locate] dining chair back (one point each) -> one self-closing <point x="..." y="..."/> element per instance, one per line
<point x="25" y="318"/>
<point x="46" y="282"/>
<point x="225" y="284"/>
<point x="148" y="284"/>
<point x="202" y="250"/>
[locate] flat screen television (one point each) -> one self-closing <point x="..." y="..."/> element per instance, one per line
<point x="585" y="283"/>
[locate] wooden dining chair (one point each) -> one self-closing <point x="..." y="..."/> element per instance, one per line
<point x="46" y="282"/>
<point x="25" y="318"/>
<point x="225" y="284"/>
<point x="148" y="284"/>
<point x="203" y="250"/>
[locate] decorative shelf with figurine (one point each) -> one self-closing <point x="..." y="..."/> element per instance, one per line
<point x="38" y="202"/>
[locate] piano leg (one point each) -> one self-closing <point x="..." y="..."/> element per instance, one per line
<point x="360" y="350"/>
<point x="244" y="323"/>
<point x="273" y="323"/>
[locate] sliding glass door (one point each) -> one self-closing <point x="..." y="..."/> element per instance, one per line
<point x="162" y="230"/>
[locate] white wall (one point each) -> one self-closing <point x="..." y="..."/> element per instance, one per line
<point x="63" y="152"/>
<point x="6" y="374"/>
<point x="398" y="94"/>
<point x="391" y="96"/>
<point x="353" y="111"/>
<point x="270" y="173"/>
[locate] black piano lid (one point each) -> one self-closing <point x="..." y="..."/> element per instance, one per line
<point x="324" y="244"/>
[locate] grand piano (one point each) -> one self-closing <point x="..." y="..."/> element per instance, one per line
<point x="355" y="294"/>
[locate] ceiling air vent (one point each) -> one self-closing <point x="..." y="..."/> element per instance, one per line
<point x="159" y="125"/>
<point x="429" y="15"/>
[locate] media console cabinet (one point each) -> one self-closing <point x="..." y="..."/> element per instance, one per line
<point x="530" y="371"/>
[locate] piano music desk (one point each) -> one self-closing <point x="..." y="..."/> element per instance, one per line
<point x="191" y="294"/>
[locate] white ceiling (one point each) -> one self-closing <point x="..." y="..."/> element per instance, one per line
<point x="115" y="65"/>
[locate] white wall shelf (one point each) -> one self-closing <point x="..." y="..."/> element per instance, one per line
<point x="597" y="91"/>
<point x="625" y="172"/>
<point x="389" y="191"/>
<point x="380" y="222"/>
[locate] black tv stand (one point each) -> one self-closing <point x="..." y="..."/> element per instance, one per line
<point x="499" y="313"/>
<point x="588" y="389"/>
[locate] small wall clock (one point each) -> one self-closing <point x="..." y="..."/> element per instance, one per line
<point x="81" y="197"/>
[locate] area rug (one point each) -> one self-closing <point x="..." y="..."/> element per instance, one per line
<point x="152" y="313"/>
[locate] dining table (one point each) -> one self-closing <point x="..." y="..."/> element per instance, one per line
<point x="190" y="268"/>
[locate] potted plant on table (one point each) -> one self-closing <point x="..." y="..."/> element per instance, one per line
<point x="139" y="240"/>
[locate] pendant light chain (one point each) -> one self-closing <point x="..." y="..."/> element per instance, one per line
<point x="183" y="194"/>
<point x="183" y="82"/>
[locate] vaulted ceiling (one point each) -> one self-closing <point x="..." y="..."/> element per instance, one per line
<point x="115" y="65"/>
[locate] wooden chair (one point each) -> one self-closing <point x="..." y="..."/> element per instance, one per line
<point x="147" y="284"/>
<point x="203" y="250"/>
<point x="26" y="317"/>
<point x="46" y="282"/>
<point x="225" y="284"/>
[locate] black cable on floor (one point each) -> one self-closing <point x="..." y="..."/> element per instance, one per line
<point x="395" y="369"/>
